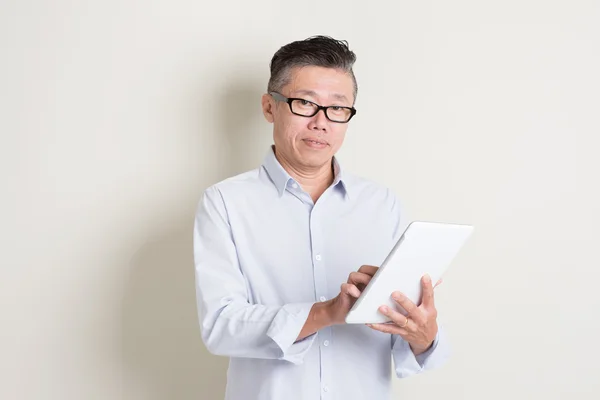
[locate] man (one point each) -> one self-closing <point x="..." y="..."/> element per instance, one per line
<point x="283" y="251"/>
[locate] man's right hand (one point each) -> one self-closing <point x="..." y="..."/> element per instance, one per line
<point x="339" y="306"/>
<point x="334" y="311"/>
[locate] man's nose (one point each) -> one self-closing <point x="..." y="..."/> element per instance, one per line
<point x="319" y="121"/>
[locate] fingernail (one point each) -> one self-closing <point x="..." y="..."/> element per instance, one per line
<point x="397" y="296"/>
<point x="384" y="309"/>
<point x="427" y="278"/>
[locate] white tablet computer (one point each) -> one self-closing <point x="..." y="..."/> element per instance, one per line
<point x="424" y="248"/>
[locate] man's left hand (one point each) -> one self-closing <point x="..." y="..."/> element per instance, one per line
<point x="419" y="326"/>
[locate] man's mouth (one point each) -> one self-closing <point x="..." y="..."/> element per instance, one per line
<point x="315" y="141"/>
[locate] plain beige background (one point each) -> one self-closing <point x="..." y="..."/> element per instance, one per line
<point x="115" y="115"/>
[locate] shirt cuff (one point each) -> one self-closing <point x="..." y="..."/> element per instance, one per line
<point x="408" y="364"/>
<point x="286" y="327"/>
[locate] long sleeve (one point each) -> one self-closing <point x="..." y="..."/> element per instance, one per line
<point x="229" y="324"/>
<point x="407" y="364"/>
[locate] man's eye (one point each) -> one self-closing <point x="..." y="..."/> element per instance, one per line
<point x="304" y="102"/>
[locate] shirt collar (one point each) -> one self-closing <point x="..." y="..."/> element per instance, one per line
<point x="281" y="179"/>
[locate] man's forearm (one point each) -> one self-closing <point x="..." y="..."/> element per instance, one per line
<point x="318" y="318"/>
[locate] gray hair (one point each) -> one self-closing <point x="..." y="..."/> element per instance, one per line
<point x="318" y="51"/>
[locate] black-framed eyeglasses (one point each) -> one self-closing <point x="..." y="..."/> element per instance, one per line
<point x="306" y="108"/>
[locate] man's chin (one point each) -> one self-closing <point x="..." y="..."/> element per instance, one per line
<point x="316" y="161"/>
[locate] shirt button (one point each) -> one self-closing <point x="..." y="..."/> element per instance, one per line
<point x="295" y="185"/>
<point x="322" y="298"/>
<point x="325" y="389"/>
<point x="326" y="343"/>
<point x="318" y="257"/>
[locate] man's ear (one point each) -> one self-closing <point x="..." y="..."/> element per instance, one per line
<point x="268" y="107"/>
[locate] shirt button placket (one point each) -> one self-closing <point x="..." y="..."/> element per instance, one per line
<point x="321" y="292"/>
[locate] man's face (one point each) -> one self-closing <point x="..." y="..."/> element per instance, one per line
<point x="310" y="142"/>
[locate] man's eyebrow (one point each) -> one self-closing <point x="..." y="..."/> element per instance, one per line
<point x="314" y="94"/>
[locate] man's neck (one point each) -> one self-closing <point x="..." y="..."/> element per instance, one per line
<point x="313" y="181"/>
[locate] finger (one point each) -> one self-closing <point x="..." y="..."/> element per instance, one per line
<point x="397" y="318"/>
<point x="389" y="328"/>
<point x="410" y="307"/>
<point x="368" y="269"/>
<point x="427" y="294"/>
<point x="359" y="277"/>
<point x="350" y="289"/>
<point x="439" y="282"/>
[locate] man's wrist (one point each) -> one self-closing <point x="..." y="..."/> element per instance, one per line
<point x="323" y="314"/>
<point x="318" y="318"/>
<point x="417" y="350"/>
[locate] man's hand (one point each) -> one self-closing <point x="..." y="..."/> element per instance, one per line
<point x="419" y="327"/>
<point x="334" y="311"/>
<point x="339" y="306"/>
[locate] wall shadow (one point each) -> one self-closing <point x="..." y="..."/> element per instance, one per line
<point x="161" y="345"/>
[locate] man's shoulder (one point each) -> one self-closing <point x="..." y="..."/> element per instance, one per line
<point x="378" y="197"/>
<point x="236" y="184"/>
<point x="245" y="178"/>
<point x="368" y="187"/>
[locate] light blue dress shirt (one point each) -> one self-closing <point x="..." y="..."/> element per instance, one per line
<point x="264" y="253"/>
